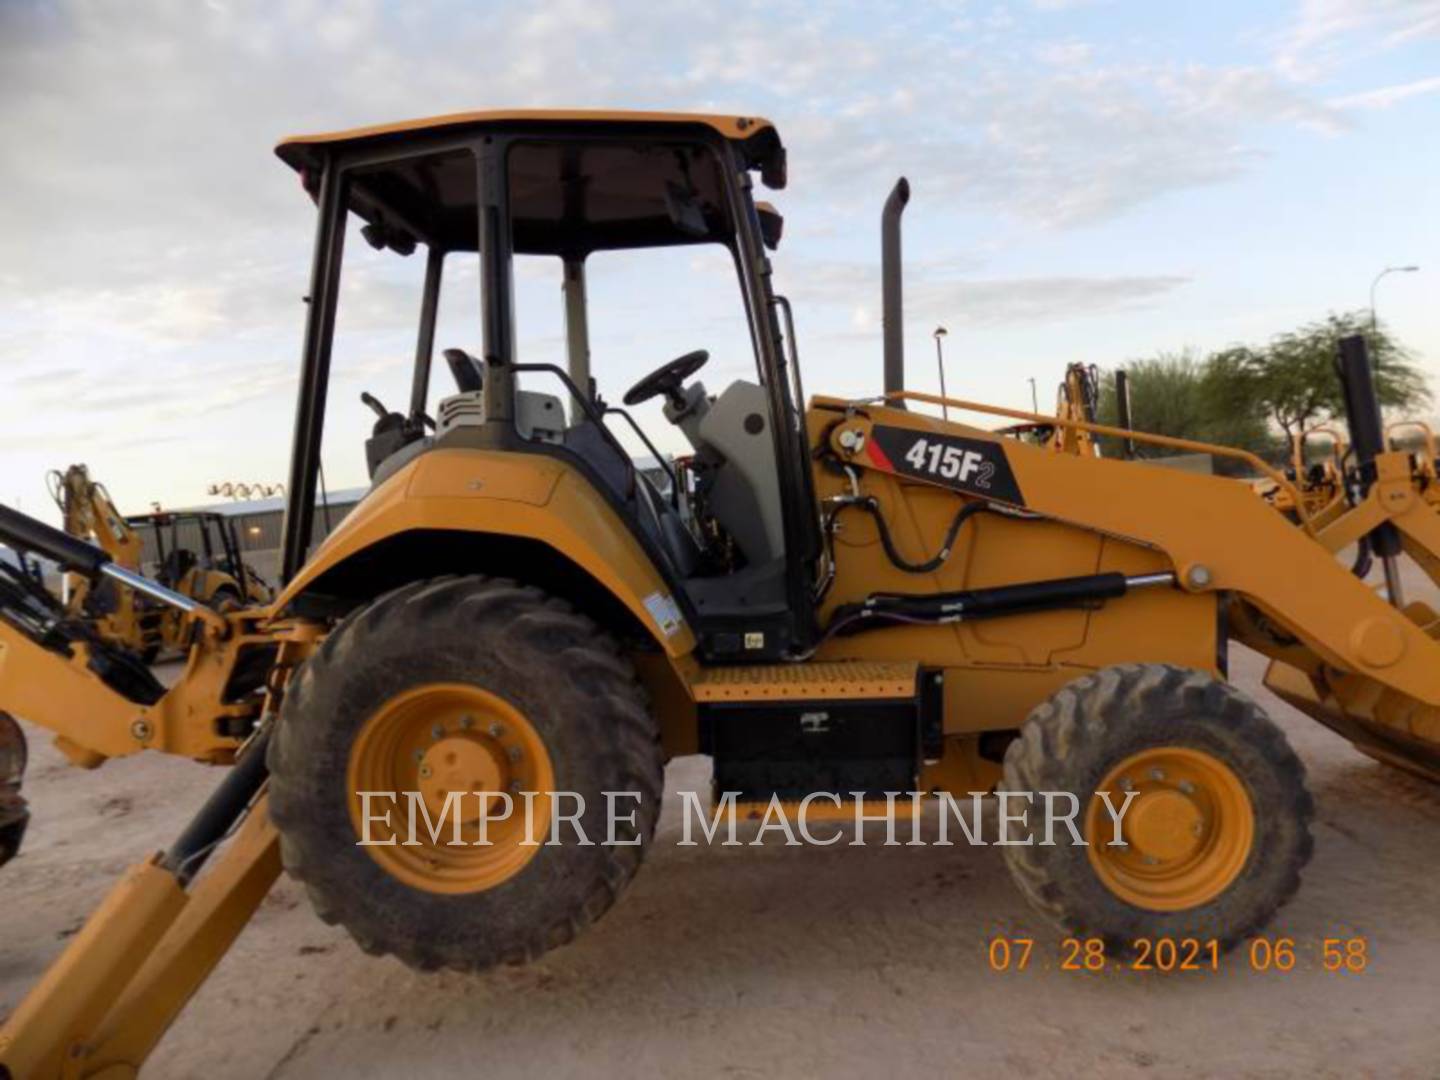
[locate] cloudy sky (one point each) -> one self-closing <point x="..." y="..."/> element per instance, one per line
<point x="1092" y="181"/>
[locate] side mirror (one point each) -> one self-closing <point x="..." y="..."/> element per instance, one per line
<point x="772" y="225"/>
<point x="381" y="235"/>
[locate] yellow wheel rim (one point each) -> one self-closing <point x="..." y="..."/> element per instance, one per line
<point x="1188" y="830"/>
<point x="455" y="744"/>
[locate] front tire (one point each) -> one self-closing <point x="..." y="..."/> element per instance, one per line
<point x="1215" y="836"/>
<point x="464" y="684"/>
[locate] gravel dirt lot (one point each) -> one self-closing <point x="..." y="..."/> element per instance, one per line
<point x="792" y="962"/>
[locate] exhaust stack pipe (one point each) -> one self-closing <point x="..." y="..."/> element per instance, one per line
<point x="1122" y="409"/>
<point x="893" y="313"/>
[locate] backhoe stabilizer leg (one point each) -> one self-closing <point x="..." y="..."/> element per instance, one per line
<point x="115" y="990"/>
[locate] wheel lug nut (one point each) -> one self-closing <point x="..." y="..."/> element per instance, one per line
<point x="419" y="755"/>
<point x="496" y="731"/>
<point x="467" y="721"/>
<point x="438" y="731"/>
<point x="1186" y="787"/>
<point x="1150" y="860"/>
<point x="1126" y="784"/>
<point x="1157" y="774"/>
<point x="425" y="772"/>
<point x="515" y="754"/>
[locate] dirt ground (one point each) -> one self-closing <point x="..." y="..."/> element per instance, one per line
<point x="779" y="962"/>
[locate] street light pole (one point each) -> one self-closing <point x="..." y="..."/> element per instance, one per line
<point x="1034" y="398"/>
<point x="1374" y="323"/>
<point x="940" y="332"/>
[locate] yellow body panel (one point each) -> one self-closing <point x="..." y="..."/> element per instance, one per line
<point x="997" y="670"/>
<point x="730" y="126"/>
<point x="506" y="494"/>
<point x="1216" y="536"/>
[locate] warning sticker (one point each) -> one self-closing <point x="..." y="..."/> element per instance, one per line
<point x="666" y="614"/>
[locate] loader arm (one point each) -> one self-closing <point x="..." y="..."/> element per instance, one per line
<point x="1216" y="534"/>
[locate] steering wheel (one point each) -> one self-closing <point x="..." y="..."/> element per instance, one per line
<point x="668" y="379"/>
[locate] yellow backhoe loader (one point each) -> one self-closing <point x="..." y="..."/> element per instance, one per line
<point x="1077" y="398"/>
<point x="1319" y="484"/>
<point x="840" y="596"/>
<point x="118" y="614"/>
<point x="195" y="553"/>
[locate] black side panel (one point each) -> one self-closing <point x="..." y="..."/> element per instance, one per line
<point x="791" y="749"/>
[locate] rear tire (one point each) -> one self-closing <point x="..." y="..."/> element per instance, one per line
<point x="1205" y="762"/>
<point x="549" y="674"/>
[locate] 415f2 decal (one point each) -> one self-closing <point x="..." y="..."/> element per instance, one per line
<point x="975" y="466"/>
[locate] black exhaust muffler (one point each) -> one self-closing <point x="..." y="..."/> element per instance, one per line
<point x="891" y="300"/>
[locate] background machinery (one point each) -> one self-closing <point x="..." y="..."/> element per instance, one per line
<point x="118" y="614"/>
<point x="197" y="553"/>
<point x="194" y="553"/>
<point x="861" y="597"/>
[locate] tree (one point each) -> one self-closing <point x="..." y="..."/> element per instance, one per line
<point x="1233" y="412"/>
<point x="1294" y="377"/>
<point x="1231" y="397"/>
<point x="1184" y="396"/>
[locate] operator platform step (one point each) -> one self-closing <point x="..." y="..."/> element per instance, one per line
<point x="879" y="680"/>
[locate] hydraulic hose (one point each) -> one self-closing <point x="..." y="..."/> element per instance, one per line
<point x="872" y="506"/>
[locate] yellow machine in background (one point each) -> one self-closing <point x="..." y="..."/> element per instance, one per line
<point x="195" y="553"/>
<point x="1316" y="489"/>
<point x="836" y="596"/>
<point x="1425" y="456"/>
<point x="1077" y="399"/>
<point x="119" y="615"/>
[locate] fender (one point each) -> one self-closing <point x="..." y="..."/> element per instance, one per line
<point x="528" y="496"/>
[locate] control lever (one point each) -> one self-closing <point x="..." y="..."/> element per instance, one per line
<point x="371" y="400"/>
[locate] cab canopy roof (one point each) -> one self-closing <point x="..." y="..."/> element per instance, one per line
<point x="579" y="181"/>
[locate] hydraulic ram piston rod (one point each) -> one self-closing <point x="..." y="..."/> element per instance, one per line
<point x="153" y="589"/>
<point x="882" y="609"/>
<point x="24" y="533"/>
